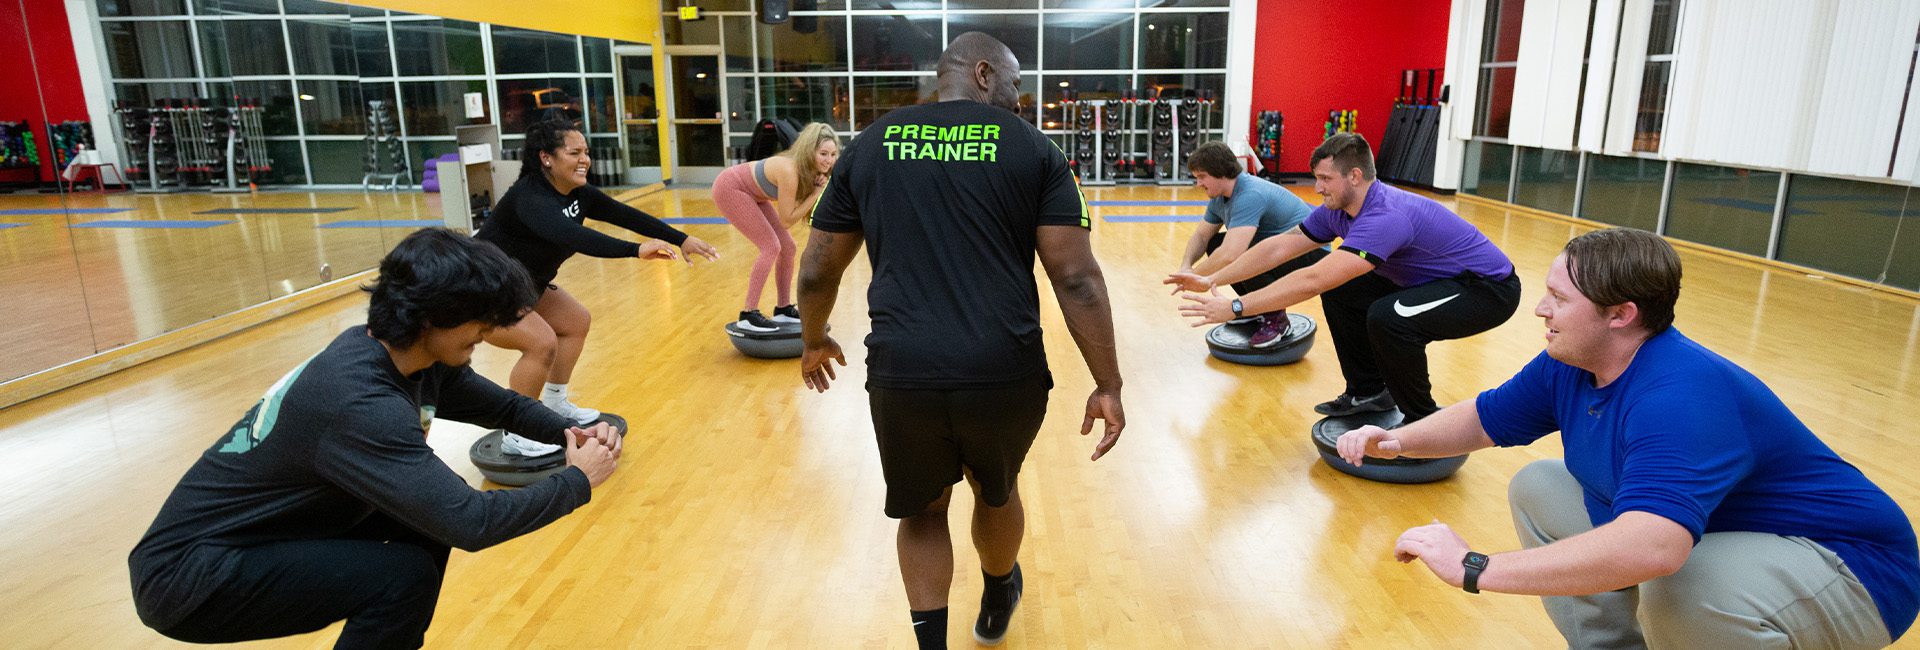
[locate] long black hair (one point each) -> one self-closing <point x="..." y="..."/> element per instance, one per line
<point x="440" y="278"/>
<point x="545" y="136"/>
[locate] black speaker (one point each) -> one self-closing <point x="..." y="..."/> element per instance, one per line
<point x="773" y="12"/>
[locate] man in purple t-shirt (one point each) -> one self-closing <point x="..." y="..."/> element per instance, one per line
<point x="1407" y="272"/>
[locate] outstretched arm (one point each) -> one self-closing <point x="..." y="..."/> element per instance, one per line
<point x="1232" y="246"/>
<point x="1197" y="245"/>
<point x="826" y="260"/>
<point x="1067" y="254"/>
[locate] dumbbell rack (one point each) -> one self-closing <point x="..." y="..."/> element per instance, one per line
<point x="383" y="144"/>
<point x="1140" y="137"/>
<point x="178" y="143"/>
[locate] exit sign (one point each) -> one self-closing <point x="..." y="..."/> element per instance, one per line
<point x="689" y="13"/>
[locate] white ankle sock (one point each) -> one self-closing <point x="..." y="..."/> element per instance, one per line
<point x="553" y="395"/>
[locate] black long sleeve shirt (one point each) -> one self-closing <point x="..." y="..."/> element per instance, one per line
<point x="541" y="227"/>
<point x="337" y="439"/>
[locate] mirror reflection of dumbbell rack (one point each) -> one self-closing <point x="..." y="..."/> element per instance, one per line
<point x="1136" y="138"/>
<point x="386" y="158"/>
<point x="177" y="144"/>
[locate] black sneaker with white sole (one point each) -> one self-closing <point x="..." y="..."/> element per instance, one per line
<point x="752" y="321"/>
<point x="788" y="315"/>
<point x="997" y="613"/>
<point x="1346" y="404"/>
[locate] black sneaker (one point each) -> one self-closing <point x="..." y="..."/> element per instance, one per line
<point x="991" y="629"/>
<point x="752" y="321"/>
<point x="1346" y="404"/>
<point x="788" y="315"/>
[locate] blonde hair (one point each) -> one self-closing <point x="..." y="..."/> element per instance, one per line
<point x="801" y="153"/>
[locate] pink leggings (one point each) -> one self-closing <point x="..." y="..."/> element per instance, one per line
<point x="740" y="201"/>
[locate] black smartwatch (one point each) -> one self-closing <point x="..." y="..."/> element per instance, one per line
<point x="1237" y="308"/>
<point x="1475" y="563"/>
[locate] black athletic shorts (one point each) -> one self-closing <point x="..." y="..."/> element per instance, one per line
<point x="927" y="436"/>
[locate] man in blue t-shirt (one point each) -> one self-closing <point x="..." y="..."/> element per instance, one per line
<point x="1408" y="272"/>
<point x="1701" y="492"/>
<point x="1250" y="210"/>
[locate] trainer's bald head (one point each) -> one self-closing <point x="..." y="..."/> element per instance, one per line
<point x="981" y="68"/>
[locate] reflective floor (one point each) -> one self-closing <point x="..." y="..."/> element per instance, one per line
<point x="747" y="510"/>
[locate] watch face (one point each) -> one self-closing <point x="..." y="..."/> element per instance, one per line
<point x="1475" y="560"/>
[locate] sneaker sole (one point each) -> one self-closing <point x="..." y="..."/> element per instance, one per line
<point x="1354" y="411"/>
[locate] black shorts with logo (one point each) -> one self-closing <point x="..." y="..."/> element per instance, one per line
<point x="927" y="436"/>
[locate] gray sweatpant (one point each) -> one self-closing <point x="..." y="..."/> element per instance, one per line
<point x="1742" y="591"/>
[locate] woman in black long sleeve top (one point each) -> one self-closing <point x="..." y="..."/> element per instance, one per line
<point x="540" y="222"/>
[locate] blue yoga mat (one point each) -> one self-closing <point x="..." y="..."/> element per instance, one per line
<point x="151" y="224"/>
<point x="50" y="211"/>
<point x="1151" y="218"/>
<point x="377" y="223"/>
<point x="1146" y="203"/>
<point x="273" y="210"/>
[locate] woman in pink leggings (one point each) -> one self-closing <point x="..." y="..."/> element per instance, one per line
<point x="763" y="199"/>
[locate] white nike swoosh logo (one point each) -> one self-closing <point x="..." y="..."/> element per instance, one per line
<point x="919" y="623"/>
<point x="1416" y="310"/>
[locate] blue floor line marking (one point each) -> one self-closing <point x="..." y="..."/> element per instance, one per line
<point x="378" y="223"/>
<point x="1099" y="204"/>
<point x="151" y="224"/>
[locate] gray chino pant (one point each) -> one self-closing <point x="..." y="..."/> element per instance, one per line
<point x="1738" y="590"/>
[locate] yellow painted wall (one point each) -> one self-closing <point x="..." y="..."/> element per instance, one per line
<point x="637" y="21"/>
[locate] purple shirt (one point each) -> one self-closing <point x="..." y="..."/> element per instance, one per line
<point x="1410" y="239"/>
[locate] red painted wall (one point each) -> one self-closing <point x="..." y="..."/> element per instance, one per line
<point x="57" y="85"/>
<point x="1311" y="57"/>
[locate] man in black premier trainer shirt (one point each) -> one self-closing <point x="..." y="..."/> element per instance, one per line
<point x="325" y="503"/>
<point x="953" y="200"/>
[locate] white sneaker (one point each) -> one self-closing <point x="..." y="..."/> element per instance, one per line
<point x="512" y="443"/>
<point x="752" y="321"/>
<point x="580" y="415"/>
<point x="788" y="315"/>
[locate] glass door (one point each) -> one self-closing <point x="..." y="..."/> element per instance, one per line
<point x="640" y="124"/>
<point x="697" y="120"/>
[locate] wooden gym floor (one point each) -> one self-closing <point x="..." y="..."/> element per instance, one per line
<point x="746" y="512"/>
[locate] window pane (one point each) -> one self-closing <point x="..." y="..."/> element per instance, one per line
<point x="1489" y="164"/>
<point x="1666" y="21"/>
<point x="643" y="145"/>
<point x="896" y="43"/>
<point x="443" y="47"/>
<point x="875" y="96"/>
<point x="739" y="43"/>
<point x="1547" y="180"/>
<point x="1847" y="227"/>
<point x="435" y="107"/>
<point x="896" y="5"/>
<point x="156" y="49"/>
<point x="276" y="98"/>
<point x="524" y="101"/>
<point x="338" y="162"/>
<point x="284" y="165"/>
<point x="236" y="7"/>
<point x="1904" y="269"/>
<point x="600" y="106"/>
<point x="636" y="74"/>
<point x="1087" y="4"/>
<point x="1089" y="86"/>
<point x="964" y="5"/>
<point x="1501" y="40"/>
<point x="1722" y="206"/>
<point x="419" y="152"/>
<point x="147" y="94"/>
<point x="315" y="7"/>
<point x="598" y="53"/>
<point x="370" y="48"/>
<point x="700" y="145"/>
<point x="696" y="87"/>
<point x="520" y="51"/>
<point x="1496" y="102"/>
<point x="323" y="47"/>
<point x="255" y="47"/>
<point x="800" y="100"/>
<point x="336" y="107"/>
<point x="1088" y="41"/>
<point x="1653" y="107"/>
<point x="118" y="8"/>
<point x="1179" y="41"/>
<point x="789" y="48"/>
<point x="1186" y="86"/>
<point x="1624" y="191"/>
<point x="1021" y="33"/>
<point x="742" y="105"/>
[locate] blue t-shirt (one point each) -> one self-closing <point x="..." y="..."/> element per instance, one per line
<point x="1687" y="435"/>
<point x="1410" y="239"/>
<point x="1270" y="208"/>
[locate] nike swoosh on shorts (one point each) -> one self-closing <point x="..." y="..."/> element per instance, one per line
<point x="1409" y="312"/>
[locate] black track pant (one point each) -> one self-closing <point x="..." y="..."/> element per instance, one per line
<point x="1381" y="330"/>
<point x="1258" y="282"/>
<point x="383" y="578"/>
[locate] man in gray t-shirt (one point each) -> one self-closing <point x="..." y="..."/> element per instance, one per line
<point x="1242" y="211"/>
<point x="1407" y="272"/>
